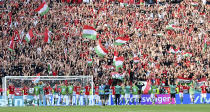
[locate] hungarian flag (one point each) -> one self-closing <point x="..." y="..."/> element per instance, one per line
<point x="47" y="38"/>
<point x="184" y="80"/>
<point x="89" y="61"/>
<point x="42" y="9"/>
<point x="119" y="62"/>
<point x="147" y="86"/>
<point x="116" y="75"/>
<point x="170" y="26"/>
<point x="100" y="50"/>
<point x="174" y="51"/>
<point x="89" y="32"/>
<point x="202" y="81"/>
<point x="29" y="35"/>
<point x="187" y="54"/>
<point x="11" y="44"/>
<point x="136" y="59"/>
<point x="194" y="4"/>
<point x="121" y="40"/>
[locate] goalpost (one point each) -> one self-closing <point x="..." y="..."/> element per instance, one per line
<point x="30" y="81"/>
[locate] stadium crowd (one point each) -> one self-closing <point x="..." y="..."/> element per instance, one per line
<point x="68" y="52"/>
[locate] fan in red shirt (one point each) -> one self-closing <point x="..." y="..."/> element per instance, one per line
<point x="47" y="93"/>
<point x="87" y="93"/>
<point x="77" y="90"/>
<point x="181" y="92"/>
<point x="25" y="94"/>
<point x="203" y="93"/>
<point x="11" y="93"/>
<point x="97" y="94"/>
<point x="186" y="89"/>
<point x="113" y="92"/>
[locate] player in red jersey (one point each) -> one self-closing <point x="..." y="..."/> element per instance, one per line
<point x="203" y="93"/>
<point x="11" y="93"/>
<point x="97" y="94"/>
<point x="47" y="89"/>
<point x="77" y="89"/>
<point x="25" y="93"/>
<point x="113" y="93"/>
<point x="87" y="94"/>
<point x="180" y="92"/>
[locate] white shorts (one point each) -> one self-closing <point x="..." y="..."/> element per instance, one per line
<point x="113" y="96"/>
<point x="77" y="96"/>
<point x="55" y="95"/>
<point x="127" y="96"/>
<point x="64" y="96"/>
<point x="47" y="96"/>
<point x="25" y="97"/>
<point x="87" y="96"/>
<point x="36" y="97"/>
<point x="153" y="96"/>
<point x="96" y="97"/>
<point x="136" y="96"/>
<point x="203" y="95"/>
<point x="11" y="96"/>
<point x="181" y="95"/>
<point x="191" y="96"/>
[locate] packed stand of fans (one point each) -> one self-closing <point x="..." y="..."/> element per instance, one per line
<point x="68" y="52"/>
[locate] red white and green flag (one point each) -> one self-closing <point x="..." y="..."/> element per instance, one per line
<point x="11" y="44"/>
<point x="29" y="35"/>
<point x="194" y="3"/>
<point x="202" y="81"/>
<point x="47" y="37"/>
<point x="170" y="26"/>
<point x="116" y="75"/>
<point x="89" y="32"/>
<point x="119" y="62"/>
<point x="136" y="59"/>
<point x="90" y="61"/>
<point x="121" y="40"/>
<point x="100" y="50"/>
<point x="187" y="54"/>
<point x="115" y="56"/>
<point x="42" y="9"/>
<point x="174" y="51"/>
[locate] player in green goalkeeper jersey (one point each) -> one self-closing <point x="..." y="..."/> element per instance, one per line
<point x="118" y="90"/>
<point x="172" y="91"/>
<point x="135" y="90"/>
<point x="36" y="94"/>
<point x="70" y="89"/>
<point x="122" y="92"/>
<point x="153" y="92"/>
<point x="127" y="93"/>
<point x="55" y="93"/>
<point x="63" y="93"/>
<point x="41" y="95"/>
<point x="192" y="92"/>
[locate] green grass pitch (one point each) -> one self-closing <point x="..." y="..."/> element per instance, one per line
<point x="131" y="108"/>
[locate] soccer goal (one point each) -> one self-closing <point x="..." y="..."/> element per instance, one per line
<point x="47" y="90"/>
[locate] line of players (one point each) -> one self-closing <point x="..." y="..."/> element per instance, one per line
<point x="102" y="92"/>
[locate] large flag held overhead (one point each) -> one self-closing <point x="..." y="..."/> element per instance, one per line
<point x="121" y="40"/>
<point x="11" y="44"/>
<point x="42" y="9"/>
<point x="119" y="62"/>
<point x="136" y="59"/>
<point x="89" y="32"/>
<point x="187" y="54"/>
<point x="100" y="50"/>
<point x="47" y="38"/>
<point x="29" y="35"/>
<point x="116" y="75"/>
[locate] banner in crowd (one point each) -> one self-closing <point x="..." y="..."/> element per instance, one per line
<point x="145" y="100"/>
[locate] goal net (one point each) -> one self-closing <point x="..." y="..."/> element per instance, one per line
<point x="47" y="90"/>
